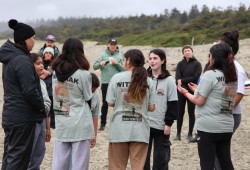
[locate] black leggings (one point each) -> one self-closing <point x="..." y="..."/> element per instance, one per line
<point x="104" y="110"/>
<point x="211" y="144"/>
<point x="181" y="106"/>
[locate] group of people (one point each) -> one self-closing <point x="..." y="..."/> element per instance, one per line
<point x="145" y="102"/>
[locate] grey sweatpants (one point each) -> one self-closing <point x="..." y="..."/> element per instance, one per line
<point x="38" y="150"/>
<point x="71" y="155"/>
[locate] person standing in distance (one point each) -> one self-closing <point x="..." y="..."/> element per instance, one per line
<point x="50" y="42"/>
<point x="188" y="71"/>
<point x="109" y="62"/>
<point x="23" y="102"/>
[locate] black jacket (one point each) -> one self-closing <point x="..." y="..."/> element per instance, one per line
<point x="188" y="71"/>
<point x="23" y="102"/>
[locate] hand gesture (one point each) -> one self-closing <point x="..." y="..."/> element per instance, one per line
<point x="112" y="60"/>
<point x="192" y="86"/>
<point x="182" y="90"/>
<point x="103" y="63"/>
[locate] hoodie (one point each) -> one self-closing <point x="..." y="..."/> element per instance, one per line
<point x="166" y="108"/>
<point x="23" y="102"/>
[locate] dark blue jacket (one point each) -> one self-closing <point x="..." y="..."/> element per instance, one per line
<point x="23" y="102"/>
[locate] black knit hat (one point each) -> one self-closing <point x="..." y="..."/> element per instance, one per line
<point x="22" y="31"/>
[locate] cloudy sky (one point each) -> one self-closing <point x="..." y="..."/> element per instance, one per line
<point x="25" y="10"/>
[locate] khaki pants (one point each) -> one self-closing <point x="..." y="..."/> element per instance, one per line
<point x="120" y="152"/>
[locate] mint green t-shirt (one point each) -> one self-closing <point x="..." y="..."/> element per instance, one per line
<point x="165" y="91"/>
<point x="215" y="116"/>
<point x="73" y="116"/>
<point x="129" y="121"/>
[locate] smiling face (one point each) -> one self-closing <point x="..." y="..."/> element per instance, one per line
<point x="155" y="62"/>
<point x="39" y="66"/>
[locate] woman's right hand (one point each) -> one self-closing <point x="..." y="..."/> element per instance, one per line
<point x="192" y="86"/>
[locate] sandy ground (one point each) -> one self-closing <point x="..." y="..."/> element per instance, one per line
<point x="184" y="155"/>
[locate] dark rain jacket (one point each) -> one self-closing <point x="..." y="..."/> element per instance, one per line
<point x="23" y="102"/>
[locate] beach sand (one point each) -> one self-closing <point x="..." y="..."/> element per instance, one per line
<point x="184" y="155"/>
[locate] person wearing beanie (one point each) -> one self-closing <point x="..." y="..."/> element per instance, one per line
<point x="48" y="57"/>
<point x="50" y="41"/>
<point x="23" y="102"/>
<point x="188" y="70"/>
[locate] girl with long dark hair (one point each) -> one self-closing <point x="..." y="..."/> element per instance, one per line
<point x="214" y="106"/>
<point x="72" y="91"/>
<point x="131" y="94"/>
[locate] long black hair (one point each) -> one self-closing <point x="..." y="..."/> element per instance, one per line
<point x="137" y="89"/>
<point x="223" y="60"/>
<point x="72" y="56"/>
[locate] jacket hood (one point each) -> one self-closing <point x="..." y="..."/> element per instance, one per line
<point x="190" y="60"/>
<point x="62" y="74"/>
<point x="9" y="50"/>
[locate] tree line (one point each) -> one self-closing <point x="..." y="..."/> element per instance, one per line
<point x="169" y="29"/>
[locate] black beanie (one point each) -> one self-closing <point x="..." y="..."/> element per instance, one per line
<point x="22" y="31"/>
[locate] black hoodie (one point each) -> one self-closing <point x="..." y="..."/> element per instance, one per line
<point x="188" y="71"/>
<point x="23" y="102"/>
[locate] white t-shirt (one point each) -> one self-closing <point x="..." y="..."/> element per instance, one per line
<point x="215" y="116"/>
<point x="241" y="84"/>
<point x="72" y="113"/>
<point x="129" y="121"/>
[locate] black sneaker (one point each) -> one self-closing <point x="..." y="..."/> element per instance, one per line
<point x="193" y="140"/>
<point x="189" y="138"/>
<point x="102" y="127"/>
<point x="178" y="137"/>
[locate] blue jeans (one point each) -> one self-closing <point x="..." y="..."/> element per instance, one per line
<point x="161" y="155"/>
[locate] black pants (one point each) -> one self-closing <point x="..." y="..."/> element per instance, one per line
<point x="161" y="155"/>
<point x="212" y="144"/>
<point x="18" y="143"/>
<point x="52" y="114"/>
<point x="104" y="109"/>
<point x="181" y="106"/>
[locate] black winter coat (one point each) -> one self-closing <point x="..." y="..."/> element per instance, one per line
<point x="23" y="102"/>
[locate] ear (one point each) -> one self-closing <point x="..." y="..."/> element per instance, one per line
<point x="127" y="62"/>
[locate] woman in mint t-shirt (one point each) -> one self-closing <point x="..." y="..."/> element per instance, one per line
<point x="214" y="106"/>
<point x="166" y="110"/>
<point x="72" y="91"/>
<point x="131" y="94"/>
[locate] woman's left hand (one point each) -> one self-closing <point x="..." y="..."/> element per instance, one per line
<point x="182" y="90"/>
